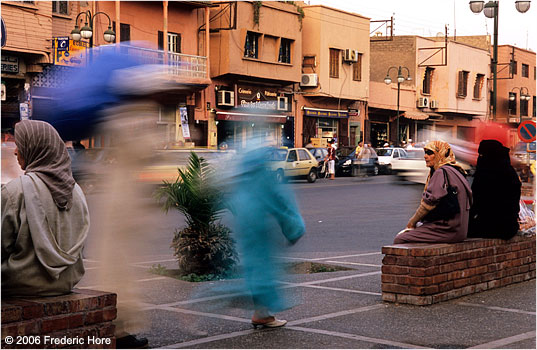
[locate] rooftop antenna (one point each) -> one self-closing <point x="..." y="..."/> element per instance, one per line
<point x="454" y="22"/>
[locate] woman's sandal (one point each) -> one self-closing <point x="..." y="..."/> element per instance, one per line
<point x="271" y="324"/>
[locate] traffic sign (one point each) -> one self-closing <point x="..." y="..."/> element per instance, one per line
<point x="526" y="131"/>
<point x="3" y="37"/>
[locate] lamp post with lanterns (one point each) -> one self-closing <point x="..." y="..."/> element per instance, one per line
<point x="86" y="32"/>
<point x="400" y="79"/>
<point x="524" y="95"/>
<point x="491" y="10"/>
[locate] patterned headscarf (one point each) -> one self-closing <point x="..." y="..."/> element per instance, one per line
<point x="443" y="156"/>
<point x="45" y="154"/>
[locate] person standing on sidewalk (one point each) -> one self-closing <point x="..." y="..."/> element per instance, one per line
<point x="331" y="159"/>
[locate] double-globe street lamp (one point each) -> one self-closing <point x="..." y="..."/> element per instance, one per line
<point x="491" y="10"/>
<point x="524" y="96"/>
<point x="400" y="79"/>
<point x="86" y="31"/>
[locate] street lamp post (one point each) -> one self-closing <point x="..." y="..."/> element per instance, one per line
<point x="86" y="31"/>
<point x="400" y="79"/>
<point x="524" y="95"/>
<point x="491" y="10"/>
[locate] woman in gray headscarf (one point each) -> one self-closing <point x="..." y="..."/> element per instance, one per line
<point x="45" y="218"/>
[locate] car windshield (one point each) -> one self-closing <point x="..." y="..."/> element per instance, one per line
<point x="384" y="152"/>
<point x="277" y="155"/>
<point x="414" y="153"/>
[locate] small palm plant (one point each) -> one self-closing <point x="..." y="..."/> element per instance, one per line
<point x="205" y="246"/>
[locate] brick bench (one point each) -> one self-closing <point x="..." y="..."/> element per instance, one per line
<point x="424" y="274"/>
<point x="82" y="319"/>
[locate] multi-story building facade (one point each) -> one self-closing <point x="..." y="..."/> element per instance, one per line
<point x="334" y="85"/>
<point x="516" y="88"/>
<point x="163" y="32"/>
<point x="446" y="96"/>
<point x="257" y="55"/>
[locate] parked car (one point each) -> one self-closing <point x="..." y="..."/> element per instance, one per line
<point x="348" y="165"/>
<point x="293" y="163"/>
<point x="319" y="153"/>
<point x="386" y="155"/>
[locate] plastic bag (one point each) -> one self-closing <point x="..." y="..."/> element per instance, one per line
<point x="526" y="220"/>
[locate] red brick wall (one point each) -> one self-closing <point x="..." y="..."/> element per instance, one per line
<point x="82" y="319"/>
<point x="424" y="274"/>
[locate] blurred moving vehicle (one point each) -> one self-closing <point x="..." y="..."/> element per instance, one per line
<point x="523" y="153"/>
<point x="293" y="163"/>
<point x="386" y="155"/>
<point x="89" y="166"/>
<point x="412" y="167"/>
<point x="319" y="153"/>
<point x="164" y="163"/>
<point x="348" y="165"/>
<point x="10" y="167"/>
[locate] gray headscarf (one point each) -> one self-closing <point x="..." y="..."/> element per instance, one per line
<point x="45" y="154"/>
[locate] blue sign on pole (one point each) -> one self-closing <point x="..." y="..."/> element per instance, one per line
<point x="3" y="37"/>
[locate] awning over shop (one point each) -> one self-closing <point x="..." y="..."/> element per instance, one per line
<point x="415" y="115"/>
<point x="325" y="113"/>
<point x="246" y="117"/>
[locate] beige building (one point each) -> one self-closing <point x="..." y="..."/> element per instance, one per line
<point x="446" y="96"/>
<point x="334" y="85"/>
<point x="257" y="55"/>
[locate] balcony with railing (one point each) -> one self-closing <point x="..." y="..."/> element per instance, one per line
<point x="179" y="67"/>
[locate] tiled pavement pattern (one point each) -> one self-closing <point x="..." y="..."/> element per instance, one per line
<point x="335" y="310"/>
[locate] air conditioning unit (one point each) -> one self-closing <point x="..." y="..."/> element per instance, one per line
<point x="350" y="55"/>
<point x="423" y="102"/>
<point x="433" y="104"/>
<point x="226" y="98"/>
<point x="283" y="104"/>
<point x="309" y="80"/>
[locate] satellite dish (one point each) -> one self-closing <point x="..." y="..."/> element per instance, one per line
<point x="439" y="34"/>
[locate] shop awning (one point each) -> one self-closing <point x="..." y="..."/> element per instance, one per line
<point x="246" y="117"/>
<point x="325" y="113"/>
<point x="415" y="115"/>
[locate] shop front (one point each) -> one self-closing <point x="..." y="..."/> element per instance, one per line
<point x="258" y="111"/>
<point x="324" y="124"/>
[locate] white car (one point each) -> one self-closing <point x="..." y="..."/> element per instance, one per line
<point x="412" y="166"/>
<point x="386" y="155"/>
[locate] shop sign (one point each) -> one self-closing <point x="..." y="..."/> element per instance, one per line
<point x="258" y="97"/>
<point x="68" y="52"/>
<point x="184" y="122"/>
<point x="10" y="64"/>
<point x="321" y="113"/>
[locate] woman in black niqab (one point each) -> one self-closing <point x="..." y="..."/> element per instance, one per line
<point x="496" y="190"/>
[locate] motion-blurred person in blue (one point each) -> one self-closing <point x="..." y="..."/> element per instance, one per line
<point x="262" y="208"/>
<point x="116" y="101"/>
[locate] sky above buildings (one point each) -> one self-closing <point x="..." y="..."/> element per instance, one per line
<point x="429" y="17"/>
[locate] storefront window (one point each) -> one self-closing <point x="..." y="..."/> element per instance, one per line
<point x="326" y="128"/>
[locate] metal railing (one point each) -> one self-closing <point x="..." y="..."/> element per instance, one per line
<point x="178" y="64"/>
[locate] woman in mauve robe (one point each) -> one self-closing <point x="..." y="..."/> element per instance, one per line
<point x="441" y="159"/>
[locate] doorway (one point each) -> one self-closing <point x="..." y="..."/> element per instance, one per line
<point x="379" y="134"/>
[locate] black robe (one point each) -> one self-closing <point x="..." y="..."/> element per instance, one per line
<point x="496" y="190"/>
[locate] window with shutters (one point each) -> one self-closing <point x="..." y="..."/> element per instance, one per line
<point x="525" y="70"/>
<point x="357" y="68"/>
<point x="478" y="85"/>
<point x="512" y="67"/>
<point x="124" y="31"/>
<point x="285" y="51"/>
<point x="334" y="63"/>
<point x="524" y="107"/>
<point x="251" y="45"/>
<point x="428" y="81"/>
<point x="60" y="7"/>
<point x="462" y="89"/>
